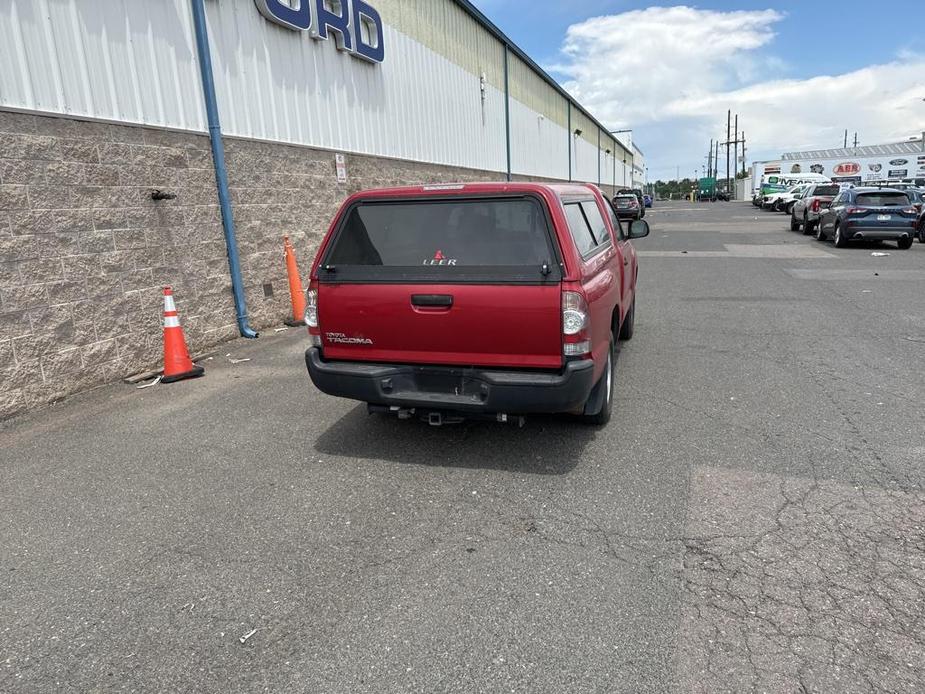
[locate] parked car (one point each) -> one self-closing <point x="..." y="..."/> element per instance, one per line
<point x="782" y="202"/>
<point x="647" y="200"/>
<point x="868" y="214"/>
<point x="768" y="200"/>
<point x="486" y="300"/>
<point x="627" y="206"/>
<point x="808" y="208"/>
<point x="918" y="202"/>
<point x="916" y="198"/>
<point x="639" y="197"/>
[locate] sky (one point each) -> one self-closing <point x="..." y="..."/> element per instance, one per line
<point x="797" y="73"/>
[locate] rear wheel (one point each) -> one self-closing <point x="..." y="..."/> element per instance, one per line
<point x="604" y="388"/>
<point x="922" y="232"/>
<point x="794" y="223"/>
<point x="840" y="240"/>
<point x="808" y="226"/>
<point x="820" y="234"/>
<point x="904" y="244"/>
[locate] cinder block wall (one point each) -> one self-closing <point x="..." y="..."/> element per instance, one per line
<point x="281" y="189"/>
<point x="85" y="251"/>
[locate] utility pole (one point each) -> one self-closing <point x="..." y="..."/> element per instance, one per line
<point x="855" y="140"/>
<point x="734" y="143"/>
<point x="735" y="158"/>
<point x="743" y="154"/>
<point x="846" y="138"/>
<point x="710" y="159"/>
<point x="728" y="137"/>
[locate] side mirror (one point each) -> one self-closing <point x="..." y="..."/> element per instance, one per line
<point x="638" y="228"/>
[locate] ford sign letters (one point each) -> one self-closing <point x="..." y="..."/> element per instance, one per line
<point x="356" y="26"/>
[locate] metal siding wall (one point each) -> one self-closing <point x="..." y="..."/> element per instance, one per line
<point x="534" y="92"/>
<point x="133" y="62"/>
<point x="448" y="30"/>
<point x="282" y="85"/>
<point x="584" y="166"/>
<point x="539" y="146"/>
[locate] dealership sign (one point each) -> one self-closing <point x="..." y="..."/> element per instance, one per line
<point x="355" y="25"/>
<point x="846" y="168"/>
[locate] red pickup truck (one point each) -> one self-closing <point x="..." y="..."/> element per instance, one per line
<point x="485" y="300"/>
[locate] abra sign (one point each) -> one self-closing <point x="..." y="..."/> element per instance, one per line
<point x="846" y="168"/>
<point x="356" y="26"/>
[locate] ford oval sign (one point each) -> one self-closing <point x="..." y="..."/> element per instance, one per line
<point x="898" y="162"/>
<point x="355" y="25"/>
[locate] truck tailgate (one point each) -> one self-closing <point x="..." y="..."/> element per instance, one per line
<point x="458" y="324"/>
<point x="472" y="281"/>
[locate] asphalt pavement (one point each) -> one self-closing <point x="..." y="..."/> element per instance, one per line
<point x="752" y="518"/>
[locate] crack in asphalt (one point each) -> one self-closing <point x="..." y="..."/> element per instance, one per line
<point x="829" y="595"/>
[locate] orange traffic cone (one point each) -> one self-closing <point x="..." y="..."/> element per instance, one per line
<point x="177" y="362"/>
<point x="295" y="286"/>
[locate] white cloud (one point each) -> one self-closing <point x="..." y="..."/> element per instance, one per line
<point x="882" y="103"/>
<point x="672" y="72"/>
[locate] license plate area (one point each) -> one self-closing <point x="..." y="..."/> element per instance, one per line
<point x="884" y="217"/>
<point x="449" y="384"/>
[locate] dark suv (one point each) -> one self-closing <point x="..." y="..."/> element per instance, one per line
<point x="639" y="197"/>
<point x="869" y="214"/>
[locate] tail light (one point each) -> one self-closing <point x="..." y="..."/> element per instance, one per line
<point x="311" y="314"/>
<point x="816" y="204"/>
<point x="575" y="337"/>
<point x="855" y="210"/>
<point x="910" y="210"/>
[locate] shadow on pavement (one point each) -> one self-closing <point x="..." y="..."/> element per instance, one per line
<point x="544" y="446"/>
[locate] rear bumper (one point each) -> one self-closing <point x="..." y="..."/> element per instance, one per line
<point x="879" y="233"/>
<point x="454" y="388"/>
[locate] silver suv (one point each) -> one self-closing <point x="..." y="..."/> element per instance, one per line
<point x="807" y="210"/>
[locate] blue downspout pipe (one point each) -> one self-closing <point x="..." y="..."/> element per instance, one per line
<point x="221" y="173"/>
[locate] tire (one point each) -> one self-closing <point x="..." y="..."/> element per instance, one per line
<point x="808" y="227"/>
<point x="820" y="234"/>
<point x="922" y="232"/>
<point x="629" y="323"/>
<point x="794" y="222"/>
<point x="840" y="240"/>
<point x="601" y="417"/>
<point x="904" y="244"/>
